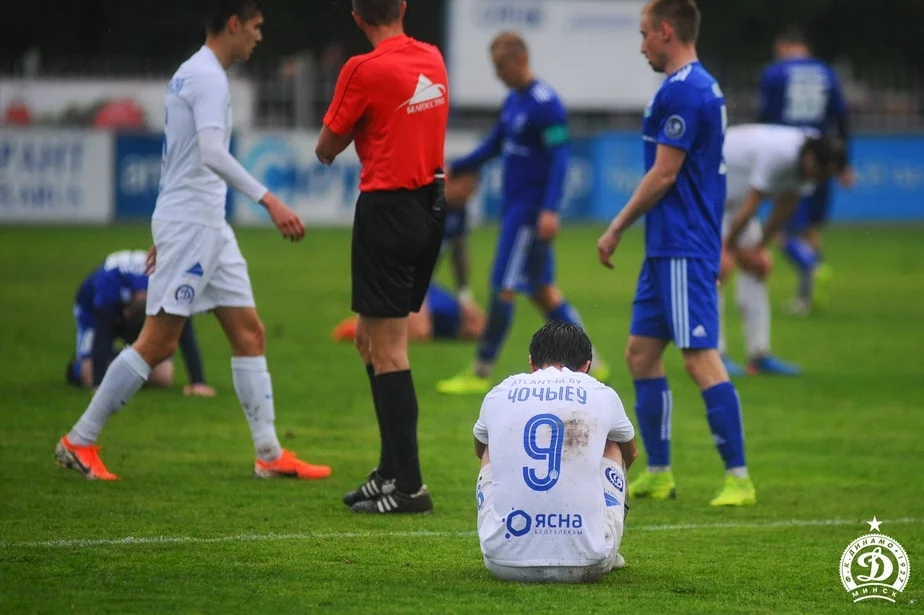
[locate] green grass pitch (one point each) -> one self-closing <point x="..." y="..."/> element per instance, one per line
<point x="188" y="530"/>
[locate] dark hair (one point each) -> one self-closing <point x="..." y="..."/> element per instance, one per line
<point x="793" y="35"/>
<point x="828" y="152"/>
<point x="134" y="321"/>
<point x="560" y="343"/>
<point x="684" y="15"/>
<point x="219" y="12"/>
<point x="378" y="12"/>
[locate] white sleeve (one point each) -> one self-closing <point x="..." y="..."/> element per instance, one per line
<point x="216" y="157"/>
<point x="208" y="95"/>
<point x="621" y="428"/>
<point x="481" y="425"/>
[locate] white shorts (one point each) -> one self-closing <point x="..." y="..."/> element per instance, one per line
<point x="615" y="524"/>
<point x="750" y="237"/>
<point x="198" y="269"/>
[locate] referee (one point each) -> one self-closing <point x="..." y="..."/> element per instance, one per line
<point x="394" y="104"/>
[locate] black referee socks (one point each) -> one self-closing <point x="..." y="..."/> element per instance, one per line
<point x="396" y="402"/>
<point x="386" y="467"/>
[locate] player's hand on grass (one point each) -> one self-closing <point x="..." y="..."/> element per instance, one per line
<point x="198" y="390"/>
<point x="286" y="220"/>
<point x="606" y="245"/>
<point x="151" y="262"/>
<point x="547" y="226"/>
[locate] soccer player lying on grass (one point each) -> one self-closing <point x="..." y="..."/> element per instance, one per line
<point x="441" y="317"/>
<point x="109" y="307"/>
<point x="555" y="446"/>
<point x="765" y="162"/>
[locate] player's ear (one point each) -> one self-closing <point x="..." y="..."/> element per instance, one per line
<point x="403" y="9"/>
<point x="586" y="368"/>
<point x="359" y="20"/>
<point x="234" y="24"/>
<point x="532" y="368"/>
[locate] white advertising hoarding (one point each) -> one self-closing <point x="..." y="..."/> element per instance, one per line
<point x="587" y="50"/>
<point x="322" y="196"/>
<point x="55" y="176"/>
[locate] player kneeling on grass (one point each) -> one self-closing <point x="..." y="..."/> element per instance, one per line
<point x="110" y="306"/>
<point x="765" y="162"/>
<point x="441" y="317"/>
<point x="555" y="446"/>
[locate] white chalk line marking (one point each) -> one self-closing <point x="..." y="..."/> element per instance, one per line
<point x="271" y="537"/>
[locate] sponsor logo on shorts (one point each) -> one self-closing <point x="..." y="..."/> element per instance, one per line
<point x="184" y="294"/>
<point x="615" y="479"/>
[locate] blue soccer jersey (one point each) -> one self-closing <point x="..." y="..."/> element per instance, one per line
<point x="802" y="92"/>
<point x="688" y="112"/>
<point x="676" y="297"/>
<point x="532" y="136"/>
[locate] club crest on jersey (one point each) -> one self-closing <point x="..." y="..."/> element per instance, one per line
<point x="674" y="127"/>
<point x="428" y="95"/>
<point x="874" y="566"/>
<point x="184" y="294"/>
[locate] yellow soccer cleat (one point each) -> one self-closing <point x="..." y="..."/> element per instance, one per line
<point x="466" y="383"/>
<point x="653" y="485"/>
<point x="601" y="371"/>
<point x="736" y="492"/>
<point x="822" y="286"/>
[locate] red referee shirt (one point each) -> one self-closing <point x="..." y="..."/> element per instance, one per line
<point x="395" y="99"/>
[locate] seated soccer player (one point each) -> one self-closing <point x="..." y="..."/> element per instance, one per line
<point x="555" y="446"/>
<point x="110" y="306"/>
<point x="441" y="317"/>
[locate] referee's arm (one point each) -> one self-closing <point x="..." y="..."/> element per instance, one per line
<point x="346" y="109"/>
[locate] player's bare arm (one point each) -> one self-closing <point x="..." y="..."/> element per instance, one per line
<point x="151" y="262"/>
<point x="286" y="220"/>
<point x="748" y="210"/>
<point x="654" y="185"/>
<point x="783" y="210"/>
<point x="629" y="452"/>
<point x="330" y="145"/>
<point x="480" y="448"/>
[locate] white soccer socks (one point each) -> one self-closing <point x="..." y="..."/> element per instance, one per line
<point x="255" y="391"/>
<point x="754" y="303"/>
<point x="125" y="377"/>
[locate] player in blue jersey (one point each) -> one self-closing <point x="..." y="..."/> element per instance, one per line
<point x="109" y="306"/>
<point x="532" y="136"/>
<point x="800" y="90"/>
<point x="682" y="197"/>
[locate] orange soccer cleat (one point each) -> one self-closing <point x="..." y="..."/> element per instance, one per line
<point x="345" y="331"/>
<point x="289" y="466"/>
<point x="83" y="459"/>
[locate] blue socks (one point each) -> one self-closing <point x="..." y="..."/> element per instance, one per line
<point x="500" y="314"/>
<point x="801" y="253"/>
<point x="723" y="410"/>
<point x="653" y="408"/>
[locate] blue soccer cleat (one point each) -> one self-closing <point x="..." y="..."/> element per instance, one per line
<point x="770" y="365"/>
<point x="734" y="370"/>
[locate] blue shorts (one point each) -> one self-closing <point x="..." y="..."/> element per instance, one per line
<point x="677" y="300"/>
<point x="813" y="210"/>
<point x="456" y="224"/>
<point x="522" y="263"/>
<point x="86" y="324"/>
<point x="445" y="313"/>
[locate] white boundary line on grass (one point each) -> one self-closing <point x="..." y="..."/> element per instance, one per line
<point x="161" y="540"/>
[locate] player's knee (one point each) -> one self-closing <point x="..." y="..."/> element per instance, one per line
<point x="162" y="376"/>
<point x="640" y="361"/>
<point x="387" y="359"/>
<point x="253" y="339"/>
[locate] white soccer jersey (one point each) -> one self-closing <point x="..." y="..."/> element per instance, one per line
<point x="546" y="433"/>
<point x="764" y="157"/>
<point x="198" y="97"/>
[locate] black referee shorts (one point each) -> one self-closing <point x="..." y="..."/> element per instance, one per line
<point x="397" y="237"/>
